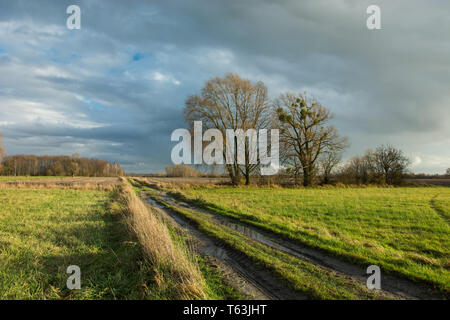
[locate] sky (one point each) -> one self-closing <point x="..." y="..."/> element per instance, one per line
<point x="115" y="89"/>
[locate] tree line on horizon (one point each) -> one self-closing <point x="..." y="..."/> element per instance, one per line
<point x="33" y="165"/>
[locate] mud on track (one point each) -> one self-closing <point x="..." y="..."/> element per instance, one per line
<point x="239" y="271"/>
<point x="392" y="286"/>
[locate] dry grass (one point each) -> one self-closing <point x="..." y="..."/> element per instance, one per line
<point x="175" y="269"/>
<point x="77" y="183"/>
<point x="176" y="185"/>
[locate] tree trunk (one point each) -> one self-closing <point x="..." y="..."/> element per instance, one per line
<point x="236" y="180"/>
<point x="235" y="177"/>
<point x="307" y="179"/>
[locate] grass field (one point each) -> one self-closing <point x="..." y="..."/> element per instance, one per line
<point x="124" y="253"/>
<point x="402" y="230"/>
<point x="43" y="231"/>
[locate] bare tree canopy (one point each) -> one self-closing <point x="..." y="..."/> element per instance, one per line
<point x="384" y="165"/>
<point x="361" y="169"/>
<point x="231" y="103"/>
<point x="327" y="162"/>
<point x="305" y="133"/>
<point x="391" y="163"/>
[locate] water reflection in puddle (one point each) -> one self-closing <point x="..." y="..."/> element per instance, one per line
<point x="154" y="203"/>
<point x="216" y="252"/>
<point x="246" y="231"/>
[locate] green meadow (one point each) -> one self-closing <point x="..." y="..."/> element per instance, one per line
<point x="403" y="230"/>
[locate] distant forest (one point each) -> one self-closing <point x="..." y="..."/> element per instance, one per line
<point x="32" y="165"/>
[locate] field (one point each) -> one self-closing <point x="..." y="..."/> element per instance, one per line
<point x="42" y="232"/>
<point x="23" y="178"/>
<point x="403" y="230"/>
<point x="45" y="230"/>
<point x="86" y="183"/>
<point x="234" y="243"/>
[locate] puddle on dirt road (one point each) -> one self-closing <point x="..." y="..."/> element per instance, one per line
<point x="154" y="203"/>
<point x="252" y="234"/>
<point x="244" y="230"/>
<point x="216" y="252"/>
<point x="211" y="249"/>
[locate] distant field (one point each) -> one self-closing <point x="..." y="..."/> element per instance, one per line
<point x="102" y="183"/>
<point x="435" y="182"/>
<point x="20" y="178"/>
<point x="405" y="230"/>
<point x="189" y="180"/>
<point x="43" y="231"/>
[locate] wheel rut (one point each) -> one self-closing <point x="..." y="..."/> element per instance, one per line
<point x="240" y="272"/>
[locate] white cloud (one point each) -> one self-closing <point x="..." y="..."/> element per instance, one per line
<point x="164" y="78"/>
<point x="32" y="112"/>
<point x="417" y="161"/>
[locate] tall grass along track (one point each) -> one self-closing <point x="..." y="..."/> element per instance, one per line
<point x="174" y="269"/>
<point x="239" y="270"/>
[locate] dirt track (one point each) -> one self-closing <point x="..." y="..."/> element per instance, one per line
<point x="239" y="271"/>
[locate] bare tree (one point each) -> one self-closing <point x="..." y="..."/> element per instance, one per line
<point x="305" y="133"/>
<point x="384" y="165"/>
<point x="231" y="103"/>
<point x="360" y="169"/>
<point x="447" y="172"/>
<point x="327" y="162"/>
<point x="391" y="163"/>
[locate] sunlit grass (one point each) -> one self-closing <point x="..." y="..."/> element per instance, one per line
<point x="403" y="230"/>
<point x="42" y="232"/>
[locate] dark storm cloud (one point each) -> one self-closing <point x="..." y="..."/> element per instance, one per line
<point x="116" y="88"/>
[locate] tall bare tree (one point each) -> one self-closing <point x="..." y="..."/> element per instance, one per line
<point x="231" y="103"/>
<point x="305" y="133"/>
